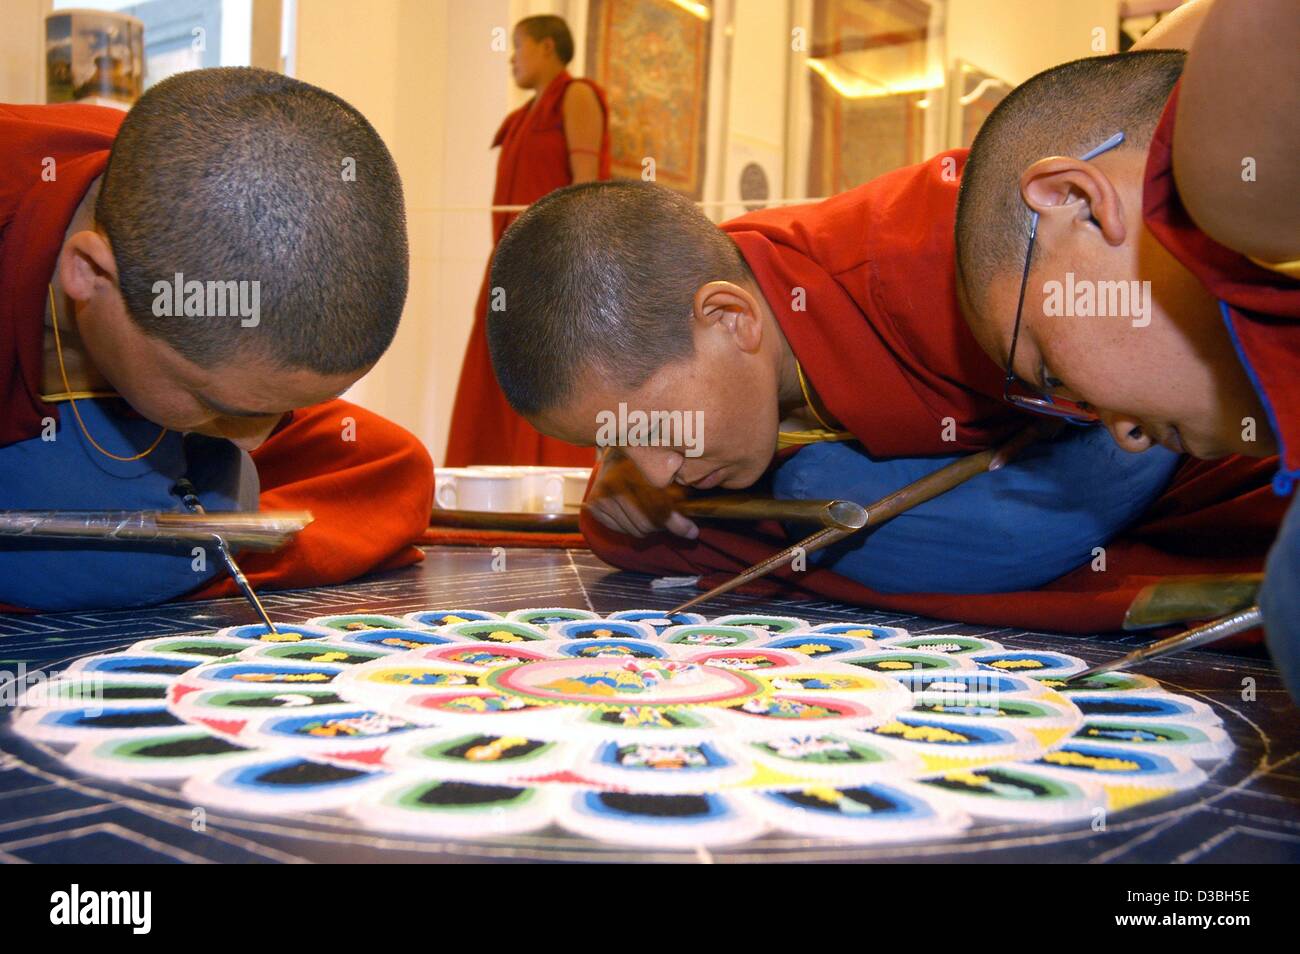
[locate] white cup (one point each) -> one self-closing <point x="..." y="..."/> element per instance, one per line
<point x="466" y="488"/>
<point x="543" y="487"/>
<point x="575" y="485"/>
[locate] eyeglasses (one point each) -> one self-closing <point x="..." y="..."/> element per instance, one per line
<point x="1035" y="400"/>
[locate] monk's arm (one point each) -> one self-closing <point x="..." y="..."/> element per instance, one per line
<point x="584" y="123"/>
<point x="1178" y="29"/>
<point x="1236" y="137"/>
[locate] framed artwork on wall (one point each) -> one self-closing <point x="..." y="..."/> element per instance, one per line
<point x="652" y="58"/>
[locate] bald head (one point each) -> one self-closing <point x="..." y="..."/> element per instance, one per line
<point x="600" y="277"/>
<point x="243" y="175"/>
<point x="1065" y="111"/>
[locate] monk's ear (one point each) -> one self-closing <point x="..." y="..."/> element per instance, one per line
<point x="85" y="263"/>
<point x="732" y="308"/>
<point x="1079" y="190"/>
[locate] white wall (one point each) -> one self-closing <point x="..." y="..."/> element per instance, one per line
<point x="426" y="77"/>
<point x="1014" y="39"/>
<point x="22" y="45"/>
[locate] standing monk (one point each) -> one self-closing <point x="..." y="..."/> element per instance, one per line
<point x="559" y="137"/>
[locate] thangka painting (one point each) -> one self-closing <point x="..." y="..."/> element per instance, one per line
<point x="868" y="90"/>
<point x="652" y="58"/>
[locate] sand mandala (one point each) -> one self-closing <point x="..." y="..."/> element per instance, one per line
<point x="633" y="728"/>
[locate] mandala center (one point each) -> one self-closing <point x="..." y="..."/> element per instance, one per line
<point x="634" y="682"/>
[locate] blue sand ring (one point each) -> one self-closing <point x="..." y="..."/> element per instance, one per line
<point x="119" y="666"/>
<point x="773" y="625"/>
<point x="1137" y="706"/>
<point x="844" y="757"/>
<point x="255" y="673"/>
<point x="860" y="630"/>
<point x="202" y="648"/>
<point x="818" y="645"/>
<point x="657" y="620"/>
<point x="658" y="820"/>
<point x="449" y="617"/>
<point x="1106" y="683"/>
<point x="373" y="730"/>
<point x="873" y="812"/>
<point x="649" y="723"/>
<point x="111" y="756"/>
<point x="279" y="784"/>
<point x="968" y="740"/>
<point x="76" y="725"/>
<point x="339" y="622"/>
<point x="396" y="640"/>
<point x="1054" y="719"/>
<point x="545" y="617"/>
<point x="1035" y="664"/>
<point x="488" y="756"/>
<point x="1110" y="766"/>
<point x="329" y="652"/>
<point x="952" y="643"/>
<point x="711" y="636"/>
<point x="891" y="662"/>
<point x="1194" y="741"/>
<point x="488" y="630"/>
<point x="621" y="648"/>
<point x="1012" y="792"/>
<point x="601" y="629"/>
<point x="472" y="810"/>
<point x="664" y="765"/>
<point x="80" y="691"/>
<point x="285" y="632"/>
<point x="279" y="699"/>
<point x="970" y="684"/>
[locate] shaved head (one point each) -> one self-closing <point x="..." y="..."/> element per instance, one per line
<point x="600" y="277"/>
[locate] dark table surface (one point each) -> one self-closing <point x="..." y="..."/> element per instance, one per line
<point x="1248" y="811"/>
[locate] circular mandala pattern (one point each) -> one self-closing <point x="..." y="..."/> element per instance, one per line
<point x="636" y="728"/>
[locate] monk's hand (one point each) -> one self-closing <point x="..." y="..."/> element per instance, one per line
<point x="624" y="501"/>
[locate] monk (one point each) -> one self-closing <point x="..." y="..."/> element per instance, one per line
<point x="187" y="287"/>
<point x="820" y="351"/>
<point x="559" y="137"/>
<point x="1134" y="263"/>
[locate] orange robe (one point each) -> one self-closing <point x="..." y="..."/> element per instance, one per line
<point x="534" y="161"/>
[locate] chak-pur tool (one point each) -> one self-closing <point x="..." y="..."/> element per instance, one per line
<point x="185" y="490"/>
<point x="872" y="515"/>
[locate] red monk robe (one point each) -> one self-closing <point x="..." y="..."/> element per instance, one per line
<point x="887" y="350"/>
<point x="382" y="481"/>
<point x="534" y="161"/>
<point x="1263" y="304"/>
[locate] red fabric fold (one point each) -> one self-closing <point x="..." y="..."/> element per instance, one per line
<point x="49" y="158"/>
<point x="864" y="288"/>
<point x="1264" y="305"/>
<point x="371" y="498"/>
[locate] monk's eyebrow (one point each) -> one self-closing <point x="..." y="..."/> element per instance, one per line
<point x="234" y="411"/>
